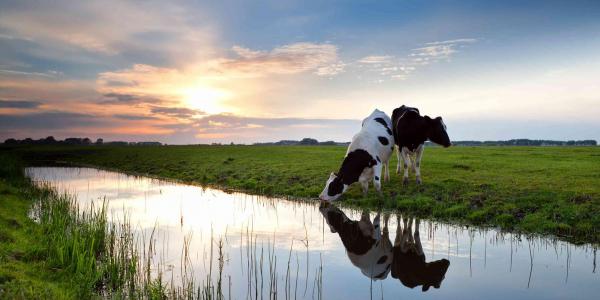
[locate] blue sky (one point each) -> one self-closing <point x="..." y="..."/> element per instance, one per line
<point x="220" y="71"/>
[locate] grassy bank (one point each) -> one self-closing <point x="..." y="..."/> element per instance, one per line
<point x="51" y="249"/>
<point x="534" y="189"/>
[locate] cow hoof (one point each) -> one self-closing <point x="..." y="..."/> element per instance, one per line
<point x="419" y="180"/>
<point x="405" y="181"/>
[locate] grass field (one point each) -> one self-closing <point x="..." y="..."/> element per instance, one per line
<point x="532" y="189"/>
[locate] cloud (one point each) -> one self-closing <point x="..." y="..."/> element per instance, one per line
<point x="437" y="51"/>
<point x="117" y="98"/>
<point x="49" y="74"/>
<point x="400" y="68"/>
<point x="153" y="30"/>
<point x="134" y="117"/>
<point x="50" y="120"/>
<point x="177" y="112"/>
<point x="321" y="59"/>
<point x="375" y="59"/>
<point x="453" y="42"/>
<point x="21" y="104"/>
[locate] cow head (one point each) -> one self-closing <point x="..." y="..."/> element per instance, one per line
<point x="437" y="131"/>
<point x="334" y="188"/>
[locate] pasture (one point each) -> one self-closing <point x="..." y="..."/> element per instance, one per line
<point x="553" y="190"/>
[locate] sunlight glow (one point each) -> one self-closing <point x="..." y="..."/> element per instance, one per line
<point x="205" y="98"/>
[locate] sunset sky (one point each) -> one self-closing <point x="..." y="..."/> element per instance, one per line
<point x="184" y="72"/>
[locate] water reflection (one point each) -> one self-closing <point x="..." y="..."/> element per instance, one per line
<point x="409" y="263"/>
<point x="274" y="248"/>
<point x="367" y="248"/>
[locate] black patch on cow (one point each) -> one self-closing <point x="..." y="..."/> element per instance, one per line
<point x="376" y="177"/>
<point x="335" y="187"/>
<point x="383" y="140"/>
<point x="349" y="231"/>
<point x="382" y="259"/>
<point x="377" y="157"/>
<point x="382" y="122"/>
<point x="353" y="165"/>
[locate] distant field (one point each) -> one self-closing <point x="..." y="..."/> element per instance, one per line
<point x="534" y="189"/>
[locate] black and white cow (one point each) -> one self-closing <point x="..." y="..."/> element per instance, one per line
<point x="409" y="264"/>
<point x="411" y="130"/>
<point x="368" y="155"/>
<point x="366" y="246"/>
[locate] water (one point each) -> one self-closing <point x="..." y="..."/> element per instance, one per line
<point x="291" y="243"/>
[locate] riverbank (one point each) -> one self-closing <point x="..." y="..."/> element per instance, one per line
<point x="24" y="269"/>
<point x="547" y="190"/>
<point x="52" y="249"/>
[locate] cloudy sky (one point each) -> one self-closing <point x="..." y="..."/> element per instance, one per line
<point x="246" y="71"/>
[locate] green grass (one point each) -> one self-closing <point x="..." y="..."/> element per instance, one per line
<point x="532" y="189"/>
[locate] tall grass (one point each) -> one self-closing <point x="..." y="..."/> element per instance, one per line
<point x="111" y="259"/>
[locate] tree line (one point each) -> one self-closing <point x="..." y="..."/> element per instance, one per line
<point x="304" y="142"/>
<point x="74" y="141"/>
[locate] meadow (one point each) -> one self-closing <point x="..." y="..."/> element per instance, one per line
<point x="547" y="190"/>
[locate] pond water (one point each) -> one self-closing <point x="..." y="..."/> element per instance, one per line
<point x="272" y="245"/>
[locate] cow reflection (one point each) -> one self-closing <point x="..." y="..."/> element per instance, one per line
<point x="366" y="246"/>
<point x="409" y="264"/>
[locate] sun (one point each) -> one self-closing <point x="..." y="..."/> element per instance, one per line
<point x="205" y="98"/>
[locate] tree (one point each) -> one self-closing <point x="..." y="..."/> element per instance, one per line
<point x="308" y="141"/>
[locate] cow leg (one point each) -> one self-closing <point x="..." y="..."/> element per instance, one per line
<point x="365" y="224"/>
<point x="398" y="239"/>
<point x="418" y="238"/>
<point x="386" y="220"/>
<point x="406" y="159"/>
<point x="400" y="160"/>
<point x="409" y="231"/>
<point x="377" y="227"/>
<point x="377" y="177"/>
<point x="386" y="167"/>
<point x="365" y="187"/>
<point x="404" y="244"/>
<point x="418" y="163"/>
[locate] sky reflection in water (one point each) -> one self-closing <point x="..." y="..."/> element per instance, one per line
<point x="309" y="260"/>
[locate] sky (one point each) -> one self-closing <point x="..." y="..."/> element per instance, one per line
<point x="187" y="72"/>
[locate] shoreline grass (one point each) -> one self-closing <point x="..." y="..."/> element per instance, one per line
<point x="544" y="190"/>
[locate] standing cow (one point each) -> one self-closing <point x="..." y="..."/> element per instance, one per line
<point x="411" y="130"/>
<point x="367" y="156"/>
